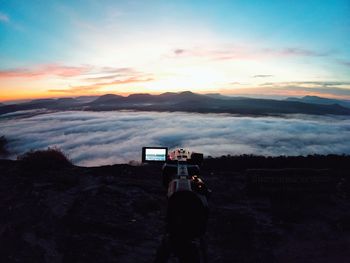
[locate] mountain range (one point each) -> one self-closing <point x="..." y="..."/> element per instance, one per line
<point x="189" y="102"/>
<point x="322" y="101"/>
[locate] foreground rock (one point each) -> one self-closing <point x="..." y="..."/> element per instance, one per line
<point x="115" y="214"/>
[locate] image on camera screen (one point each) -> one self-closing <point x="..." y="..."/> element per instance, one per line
<point x="155" y="154"/>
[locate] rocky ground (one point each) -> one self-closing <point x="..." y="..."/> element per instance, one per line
<point x="115" y="214"/>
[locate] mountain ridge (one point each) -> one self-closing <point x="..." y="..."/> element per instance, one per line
<point x="188" y="101"/>
<point x="320" y="100"/>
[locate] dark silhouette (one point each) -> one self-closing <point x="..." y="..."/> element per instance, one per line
<point x="187" y="209"/>
<point x="242" y="162"/>
<point x="3" y="146"/>
<point x="187" y="102"/>
<point x="114" y="213"/>
<point x="321" y="100"/>
<point x="51" y="158"/>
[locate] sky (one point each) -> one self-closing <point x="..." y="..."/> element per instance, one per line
<point x="254" y="48"/>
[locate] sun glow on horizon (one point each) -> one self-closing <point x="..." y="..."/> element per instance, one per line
<point x="123" y="47"/>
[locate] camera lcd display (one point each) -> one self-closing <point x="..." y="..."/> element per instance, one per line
<point x="154" y="154"/>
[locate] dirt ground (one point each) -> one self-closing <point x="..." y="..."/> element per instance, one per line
<point x="116" y="214"/>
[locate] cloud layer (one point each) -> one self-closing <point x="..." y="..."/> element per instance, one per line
<point x="97" y="138"/>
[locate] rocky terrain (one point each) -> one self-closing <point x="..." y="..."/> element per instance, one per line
<point x="116" y="214"/>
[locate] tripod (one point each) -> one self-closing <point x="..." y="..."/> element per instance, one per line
<point x="186" y="251"/>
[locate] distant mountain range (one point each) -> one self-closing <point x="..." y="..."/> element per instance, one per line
<point x="322" y="101"/>
<point x="190" y="102"/>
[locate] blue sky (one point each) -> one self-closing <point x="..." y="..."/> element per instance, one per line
<point x="277" y="48"/>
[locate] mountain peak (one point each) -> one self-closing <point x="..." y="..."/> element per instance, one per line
<point x="187" y="92"/>
<point x="168" y="94"/>
<point x="139" y="95"/>
<point x="107" y="98"/>
<point x="109" y="95"/>
<point x="313" y="97"/>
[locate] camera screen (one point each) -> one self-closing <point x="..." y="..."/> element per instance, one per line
<point x="154" y="154"/>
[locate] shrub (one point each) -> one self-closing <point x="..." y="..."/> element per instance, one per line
<point x="50" y="158"/>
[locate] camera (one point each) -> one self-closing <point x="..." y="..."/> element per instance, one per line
<point x="187" y="204"/>
<point x="187" y="194"/>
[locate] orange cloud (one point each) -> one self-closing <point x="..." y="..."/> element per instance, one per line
<point x="78" y="80"/>
<point x="45" y="70"/>
<point x="95" y="87"/>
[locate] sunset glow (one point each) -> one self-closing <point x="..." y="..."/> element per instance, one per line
<point x="60" y="48"/>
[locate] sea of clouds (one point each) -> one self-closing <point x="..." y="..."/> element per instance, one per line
<point x="99" y="138"/>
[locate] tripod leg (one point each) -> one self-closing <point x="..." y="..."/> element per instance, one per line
<point x="163" y="251"/>
<point x="189" y="253"/>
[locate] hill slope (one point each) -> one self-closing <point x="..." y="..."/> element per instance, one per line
<point x="115" y="214"/>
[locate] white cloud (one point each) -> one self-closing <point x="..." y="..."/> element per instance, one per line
<point x="4" y="18"/>
<point x="97" y="138"/>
